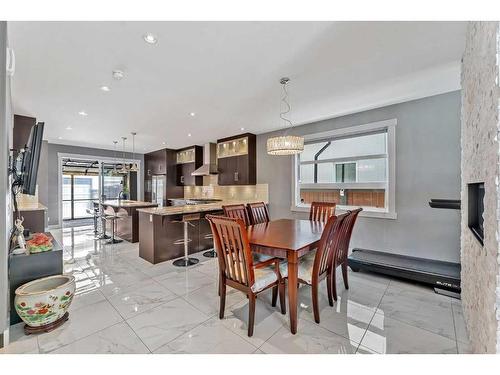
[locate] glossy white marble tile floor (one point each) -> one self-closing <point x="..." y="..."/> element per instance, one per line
<point x="127" y="305"/>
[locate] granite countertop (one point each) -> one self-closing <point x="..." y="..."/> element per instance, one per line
<point x="190" y="209"/>
<point x="128" y="203"/>
<point x="31" y="207"/>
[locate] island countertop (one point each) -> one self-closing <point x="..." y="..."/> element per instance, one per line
<point x="189" y="209"/>
<point x="128" y="203"/>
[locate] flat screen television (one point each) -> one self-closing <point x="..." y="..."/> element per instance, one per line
<point x="31" y="159"/>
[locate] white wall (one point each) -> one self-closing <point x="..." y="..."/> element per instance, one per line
<point x="427" y="166"/>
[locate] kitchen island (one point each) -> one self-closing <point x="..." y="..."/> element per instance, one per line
<point x="161" y="230"/>
<point x="127" y="226"/>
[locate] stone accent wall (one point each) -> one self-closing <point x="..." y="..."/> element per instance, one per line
<point x="480" y="162"/>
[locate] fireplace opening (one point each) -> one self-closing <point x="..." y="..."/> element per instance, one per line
<point x="476" y="210"/>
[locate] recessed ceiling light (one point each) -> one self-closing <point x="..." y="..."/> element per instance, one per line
<point x="192" y="114"/>
<point x="164" y="143"/>
<point x="242" y="129"/>
<point x="59" y="137"/>
<point x="83" y="113"/>
<point x="189" y="134"/>
<point x="105" y="88"/>
<point x="69" y="128"/>
<point x="150" y="38"/>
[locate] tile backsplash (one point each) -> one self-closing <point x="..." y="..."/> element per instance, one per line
<point x="258" y="192"/>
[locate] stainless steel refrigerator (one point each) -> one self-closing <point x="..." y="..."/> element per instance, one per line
<point x="158" y="185"/>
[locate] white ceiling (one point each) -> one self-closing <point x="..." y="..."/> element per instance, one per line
<point x="226" y="72"/>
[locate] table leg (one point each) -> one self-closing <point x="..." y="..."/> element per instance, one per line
<point x="292" y="293"/>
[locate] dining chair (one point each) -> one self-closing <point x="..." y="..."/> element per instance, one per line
<point x="237" y="211"/>
<point x="315" y="265"/>
<point x="238" y="270"/>
<point x="321" y="211"/>
<point x="258" y="213"/>
<point x="339" y="258"/>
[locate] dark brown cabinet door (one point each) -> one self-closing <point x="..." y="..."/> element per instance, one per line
<point x="235" y="171"/>
<point x="241" y="174"/>
<point x="228" y="171"/>
<point x="184" y="177"/>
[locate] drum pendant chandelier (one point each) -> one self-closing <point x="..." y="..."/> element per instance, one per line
<point x="285" y="144"/>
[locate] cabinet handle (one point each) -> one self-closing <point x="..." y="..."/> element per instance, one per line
<point x="235" y="176"/>
<point x="182" y="179"/>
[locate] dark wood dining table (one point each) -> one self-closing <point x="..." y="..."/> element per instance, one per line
<point x="288" y="239"/>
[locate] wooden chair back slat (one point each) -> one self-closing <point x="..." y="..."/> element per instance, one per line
<point x="258" y="213"/>
<point x="237" y="211"/>
<point x="345" y="236"/>
<point x="233" y="249"/>
<point x="328" y="245"/>
<point x="321" y="211"/>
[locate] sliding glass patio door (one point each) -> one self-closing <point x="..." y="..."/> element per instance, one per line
<point x="78" y="194"/>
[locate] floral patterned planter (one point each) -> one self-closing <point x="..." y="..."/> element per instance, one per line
<point x="43" y="301"/>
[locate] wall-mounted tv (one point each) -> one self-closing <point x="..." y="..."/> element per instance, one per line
<point x="31" y="159"/>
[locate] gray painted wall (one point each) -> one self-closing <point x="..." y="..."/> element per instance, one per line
<point x="52" y="172"/>
<point x="42" y="178"/>
<point x="5" y="210"/>
<point x="427" y="166"/>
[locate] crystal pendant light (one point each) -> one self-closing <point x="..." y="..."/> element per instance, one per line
<point x="114" y="172"/>
<point x="285" y="144"/>
<point x="124" y="168"/>
<point x="134" y="167"/>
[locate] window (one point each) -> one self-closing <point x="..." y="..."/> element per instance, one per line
<point x="78" y="194"/>
<point x="113" y="185"/>
<point x="353" y="167"/>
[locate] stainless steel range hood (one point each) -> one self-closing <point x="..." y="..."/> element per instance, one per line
<point x="209" y="161"/>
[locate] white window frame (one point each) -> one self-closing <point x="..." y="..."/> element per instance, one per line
<point x="389" y="212"/>
<point x="100" y="159"/>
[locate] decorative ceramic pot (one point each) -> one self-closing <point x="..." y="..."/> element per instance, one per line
<point x="43" y="301"/>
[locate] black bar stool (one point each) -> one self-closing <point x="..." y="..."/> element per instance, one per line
<point x="186" y="261"/>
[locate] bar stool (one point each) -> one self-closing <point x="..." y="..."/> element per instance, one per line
<point x="110" y="215"/>
<point x="210" y="253"/>
<point x="95" y="214"/>
<point x="186" y="261"/>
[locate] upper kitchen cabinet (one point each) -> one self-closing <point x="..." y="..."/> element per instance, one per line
<point x="236" y="159"/>
<point x="161" y="162"/>
<point x="156" y="162"/>
<point x="188" y="160"/>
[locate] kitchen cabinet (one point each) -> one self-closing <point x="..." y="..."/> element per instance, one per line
<point x="161" y="237"/>
<point x="188" y="160"/>
<point x="236" y="159"/>
<point x="161" y="162"/>
<point x="156" y="162"/>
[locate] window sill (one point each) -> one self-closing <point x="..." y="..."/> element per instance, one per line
<point x="367" y="212"/>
